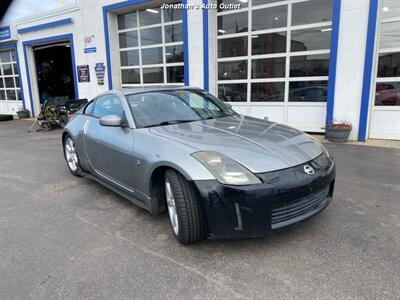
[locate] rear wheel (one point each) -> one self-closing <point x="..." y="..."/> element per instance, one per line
<point x="71" y="156"/>
<point x="183" y="208"/>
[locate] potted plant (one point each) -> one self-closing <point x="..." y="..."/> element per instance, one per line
<point x="338" y="131"/>
<point x="23" y="113"/>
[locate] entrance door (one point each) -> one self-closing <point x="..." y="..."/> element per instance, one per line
<point x="54" y="72"/>
<point x="385" y="114"/>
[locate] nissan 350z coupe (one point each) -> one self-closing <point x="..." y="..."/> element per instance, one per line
<point x="219" y="174"/>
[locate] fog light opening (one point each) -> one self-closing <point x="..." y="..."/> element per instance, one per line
<point x="239" y="217"/>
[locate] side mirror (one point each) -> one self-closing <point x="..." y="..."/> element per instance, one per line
<point x="110" y="120"/>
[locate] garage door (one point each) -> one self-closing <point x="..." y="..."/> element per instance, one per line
<point x="385" y="115"/>
<point x="273" y="60"/>
<point x="151" y="47"/>
<point x="10" y="91"/>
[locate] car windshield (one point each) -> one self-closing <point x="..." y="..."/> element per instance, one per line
<point x="167" y="107"/>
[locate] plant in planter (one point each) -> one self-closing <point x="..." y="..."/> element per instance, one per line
<point x="338" y="131"/>
<point x="23" y="113"/>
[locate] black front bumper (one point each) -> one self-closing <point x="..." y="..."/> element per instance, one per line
<point x="285" y="197"/>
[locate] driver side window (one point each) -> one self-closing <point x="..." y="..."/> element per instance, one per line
<point x="108" y="105"/>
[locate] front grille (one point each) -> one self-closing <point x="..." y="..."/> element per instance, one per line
<point x="292" y="212"/>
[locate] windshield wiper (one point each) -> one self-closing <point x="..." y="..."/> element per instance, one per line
<point x="170" y="122"/>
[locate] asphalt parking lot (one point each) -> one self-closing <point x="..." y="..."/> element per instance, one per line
<point x="68" y="237"/>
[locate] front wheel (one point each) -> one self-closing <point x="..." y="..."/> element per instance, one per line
<point x="183" y="208"/>
<point x="71" y="156"/>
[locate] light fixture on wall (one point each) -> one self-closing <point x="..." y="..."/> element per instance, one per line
<point x="153" y="11"/>
<point x="254" y="36"/>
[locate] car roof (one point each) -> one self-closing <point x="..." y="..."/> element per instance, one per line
<point x="154" y="88"/>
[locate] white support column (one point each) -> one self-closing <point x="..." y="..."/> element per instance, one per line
<point x="212" y="49"/>
<point x="195" y="44"/>
<point x="350" y="62"/>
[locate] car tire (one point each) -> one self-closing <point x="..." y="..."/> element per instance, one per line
<point x="6" y="118"/>
<point x="188" y="217"/>
<point x="71" y="156"/>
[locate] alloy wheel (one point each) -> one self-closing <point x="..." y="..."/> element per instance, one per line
<point x="173" y="216"/>
<point x="70" y="154"/>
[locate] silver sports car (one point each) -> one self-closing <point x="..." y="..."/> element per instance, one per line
<point x="219" y="174"/>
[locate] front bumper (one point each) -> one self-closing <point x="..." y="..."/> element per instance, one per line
<point x="284" y="198"/>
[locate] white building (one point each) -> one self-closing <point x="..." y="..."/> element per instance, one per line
<point x="304" y="63"/>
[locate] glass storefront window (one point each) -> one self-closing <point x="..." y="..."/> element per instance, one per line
<point x="310" y="65"/>
<point x="9" y="77"/>
<point x="174" y="54"/>
<point x="232" y="70"/>
<point x="269" y="18"/>
<point x="175" y="74"/>
<point x="390" y="9"/>
<point x="151" y="47"/>
<point x="171" y="15"/>
<point x="390" y="35"/>
<point x="233" y="92"/>
<point x="129" y="58"/>
<point x="153" y="75"/>
<point x="152" y="56"/>
<point x="233" y="23"/>
<point x="387" y="93"/>
<point x="308" y="91"/>
<point x="309" y="39"/>
<point x="173" y="33"/>
<point x="313" y="11"/>
<point x="128" y="39"/>
<point x="268" y="92"/>
<point x="150" y="36"/>
<point x="127" y="21"/>
<point x="149" y="16"/>
<point x="268" y="67"/>
<point x="257" y="50"/>
<point x="389" y="65"/>
<point x="232" y="47"/>
<point x="268" y="43"/>
<point x="387" y="83"/>
<point x="131" y="76"/>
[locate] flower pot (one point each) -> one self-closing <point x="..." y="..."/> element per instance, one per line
<point x="23" y="114"/>
<point x="337" y="133"/>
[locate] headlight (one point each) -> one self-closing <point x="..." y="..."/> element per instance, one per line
<point x="226" y="170"/>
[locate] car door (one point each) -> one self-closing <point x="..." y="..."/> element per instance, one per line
<point x="109" y="149"/>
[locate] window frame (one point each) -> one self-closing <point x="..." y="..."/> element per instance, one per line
<point x="164" y="64"/>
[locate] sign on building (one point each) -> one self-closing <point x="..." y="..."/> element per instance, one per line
<point x="83" y="73"/>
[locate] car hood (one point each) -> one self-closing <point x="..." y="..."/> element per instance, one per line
<point x="259" y="145"/>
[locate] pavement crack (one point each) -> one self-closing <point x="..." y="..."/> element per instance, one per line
<point x="208" y="277"/>
<point x="44" y="281"/>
